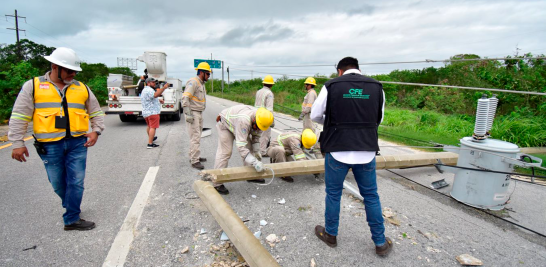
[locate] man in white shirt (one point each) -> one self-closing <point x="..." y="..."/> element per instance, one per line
<point x="351" y="107"/>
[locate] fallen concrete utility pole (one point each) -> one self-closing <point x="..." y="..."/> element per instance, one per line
<point x="317" y="166"/>
<point x="533" y="150"/>
<point x="246" y="243"/>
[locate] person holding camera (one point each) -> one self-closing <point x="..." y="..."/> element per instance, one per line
<point x="61" y="109"/>
<point x="351" y="108"/>
<point x="194" y="103"/>
<point x="151" y="108"/>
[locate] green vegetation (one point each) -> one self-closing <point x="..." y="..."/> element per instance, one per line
<point x="16" y="69"/>
<point x="434" y="114"/>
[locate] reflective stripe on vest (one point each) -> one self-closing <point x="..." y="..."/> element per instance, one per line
<point x="48" y="105"/>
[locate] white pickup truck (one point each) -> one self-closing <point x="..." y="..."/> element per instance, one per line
<point x="124" y="99"/>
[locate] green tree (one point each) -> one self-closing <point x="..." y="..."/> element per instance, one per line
<point x="11" y="81"/>
<point x="31" y="52"/>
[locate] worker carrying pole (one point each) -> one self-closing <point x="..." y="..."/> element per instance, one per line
<point x="194" y="103"/>
<point x="265" y="99"/>
<point x="244" y="125"/>
<point x="291" y="143"/>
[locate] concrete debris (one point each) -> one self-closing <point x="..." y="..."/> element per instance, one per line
<point x="272" y="238"/>
<point x="263" y="223"/>
<point x="313" y="263"/>
<point x="224" y="237"/>
<point x="185" y="250"/>
<point x="284" y="238"/>
<point x="254" y="196"/>
<point x="431" y="249"/>
<point x="258" y="234"/>
<point x="466" y="259"/>
<point x="203" y="231"/>
<point x="282" y="201"/>
<point x="390" y="216"/>
<point x="215" y="248"/>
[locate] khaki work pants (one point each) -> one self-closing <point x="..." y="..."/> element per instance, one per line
<point x="225" y="147"/>
<point x="277" y="154"/>
<point x="308" y="123"/>
<point x="264" y="139"/>
<point x="194" y="131"/>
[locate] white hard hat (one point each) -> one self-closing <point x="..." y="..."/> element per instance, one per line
<point x="66" y="58"/>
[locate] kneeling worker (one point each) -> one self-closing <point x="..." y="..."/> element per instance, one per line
<point x="243" y="124"/>
<point x="290" y="143"/>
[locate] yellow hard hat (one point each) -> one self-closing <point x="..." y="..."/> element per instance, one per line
<point x="264" y="118"/>
<point x="310" y="80"/>
<point x="308" y="138"/>
<point x="268" y="80"/>
<point x="203" y="66"/>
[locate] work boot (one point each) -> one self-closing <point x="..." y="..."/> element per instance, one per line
<point x="330" y="240"/>
<point x="287" y="179"/>
<point x="385" y="249"/>
<point x="200" y="160"/>
<point x="257" y="181"/>
<point x="81" y="225"/>
<point x="222" y="190"/>
<point x="198" y="165"/>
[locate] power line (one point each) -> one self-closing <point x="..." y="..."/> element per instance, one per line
<point x="429" y="85"/>
<point x="394" y="62"/>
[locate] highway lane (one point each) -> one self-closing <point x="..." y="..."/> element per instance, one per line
<point x="117" y="165"/>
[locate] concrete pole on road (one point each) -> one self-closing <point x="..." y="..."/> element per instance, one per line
<point x="222" y="76"/>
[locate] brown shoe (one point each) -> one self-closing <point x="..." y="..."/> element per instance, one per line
<point x="202" y="159"/>
<point x="330" y="240"/>
<point x="385" y="249"/>
<point x="287" y="179"/>
<point x="198" y="165"/>
<point x="222" y="190"/>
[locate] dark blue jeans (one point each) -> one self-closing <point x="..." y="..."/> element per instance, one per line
<point x="366" y="179"/>
<point x="65" y="164"/>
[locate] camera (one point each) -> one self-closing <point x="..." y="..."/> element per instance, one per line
<point x="145" y="74"/>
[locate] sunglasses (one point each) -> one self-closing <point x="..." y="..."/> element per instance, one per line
<point x="207" y="73"/>
<point x="70" y="71"/>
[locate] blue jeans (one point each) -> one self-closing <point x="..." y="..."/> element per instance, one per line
<point x="336" y="172"/>
<point x="65" y="164"/>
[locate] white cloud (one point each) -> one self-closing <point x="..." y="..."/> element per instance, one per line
<point x="286" y="32"/>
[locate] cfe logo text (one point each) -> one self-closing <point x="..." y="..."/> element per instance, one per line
<point x="356" y="94"/>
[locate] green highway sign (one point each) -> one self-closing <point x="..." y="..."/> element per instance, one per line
<point x="215" y="64"/>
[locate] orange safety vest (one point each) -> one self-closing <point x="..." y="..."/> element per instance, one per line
<point x="48" y="105"/>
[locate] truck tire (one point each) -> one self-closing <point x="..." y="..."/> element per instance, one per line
<point x="127" y="118"/>
<point x="177" y="115"/>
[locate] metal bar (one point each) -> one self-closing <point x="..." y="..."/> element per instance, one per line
<point x="305" y="167"/>
<point x="246" y="243"/>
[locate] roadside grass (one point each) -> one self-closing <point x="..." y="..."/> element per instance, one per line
<point x="421" y="127"/>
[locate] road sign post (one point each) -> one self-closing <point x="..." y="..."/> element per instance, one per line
<point x="214" y="64"/>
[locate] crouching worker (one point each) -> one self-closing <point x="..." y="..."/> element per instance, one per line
<point x="288" y="144"/>
<point x="245" y="125"/>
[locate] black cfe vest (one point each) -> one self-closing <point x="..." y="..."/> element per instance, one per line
<point x="353" y="113"/>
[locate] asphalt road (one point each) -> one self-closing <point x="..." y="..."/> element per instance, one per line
<point x="433" y="230"/>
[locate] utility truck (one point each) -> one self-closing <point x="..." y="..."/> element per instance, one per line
<point x="124" y="97"/>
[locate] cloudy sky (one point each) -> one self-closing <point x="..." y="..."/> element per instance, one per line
<point x="248" y="35"/>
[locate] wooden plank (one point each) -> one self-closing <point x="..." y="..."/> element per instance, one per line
<point x="246" y="243"/>
<point x="317" y="166"/>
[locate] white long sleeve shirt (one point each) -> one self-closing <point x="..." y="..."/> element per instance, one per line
<point x="318" y="115"/>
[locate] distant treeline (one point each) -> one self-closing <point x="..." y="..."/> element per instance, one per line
<point x="17" y="67"/>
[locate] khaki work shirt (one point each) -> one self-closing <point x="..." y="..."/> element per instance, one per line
<point x="308" y="101"/>
<point x="24" y="105"/>
<point x="264" y="98"/>
<point x="195" y="94"/>
<point x="291" y="142"/>
<point x="238" y="119"/>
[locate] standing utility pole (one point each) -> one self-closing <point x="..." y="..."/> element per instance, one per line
<point x="222" y="76"/>
<point x="16" y="29"/>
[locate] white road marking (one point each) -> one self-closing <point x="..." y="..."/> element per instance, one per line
<point x="122" y="243"/>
